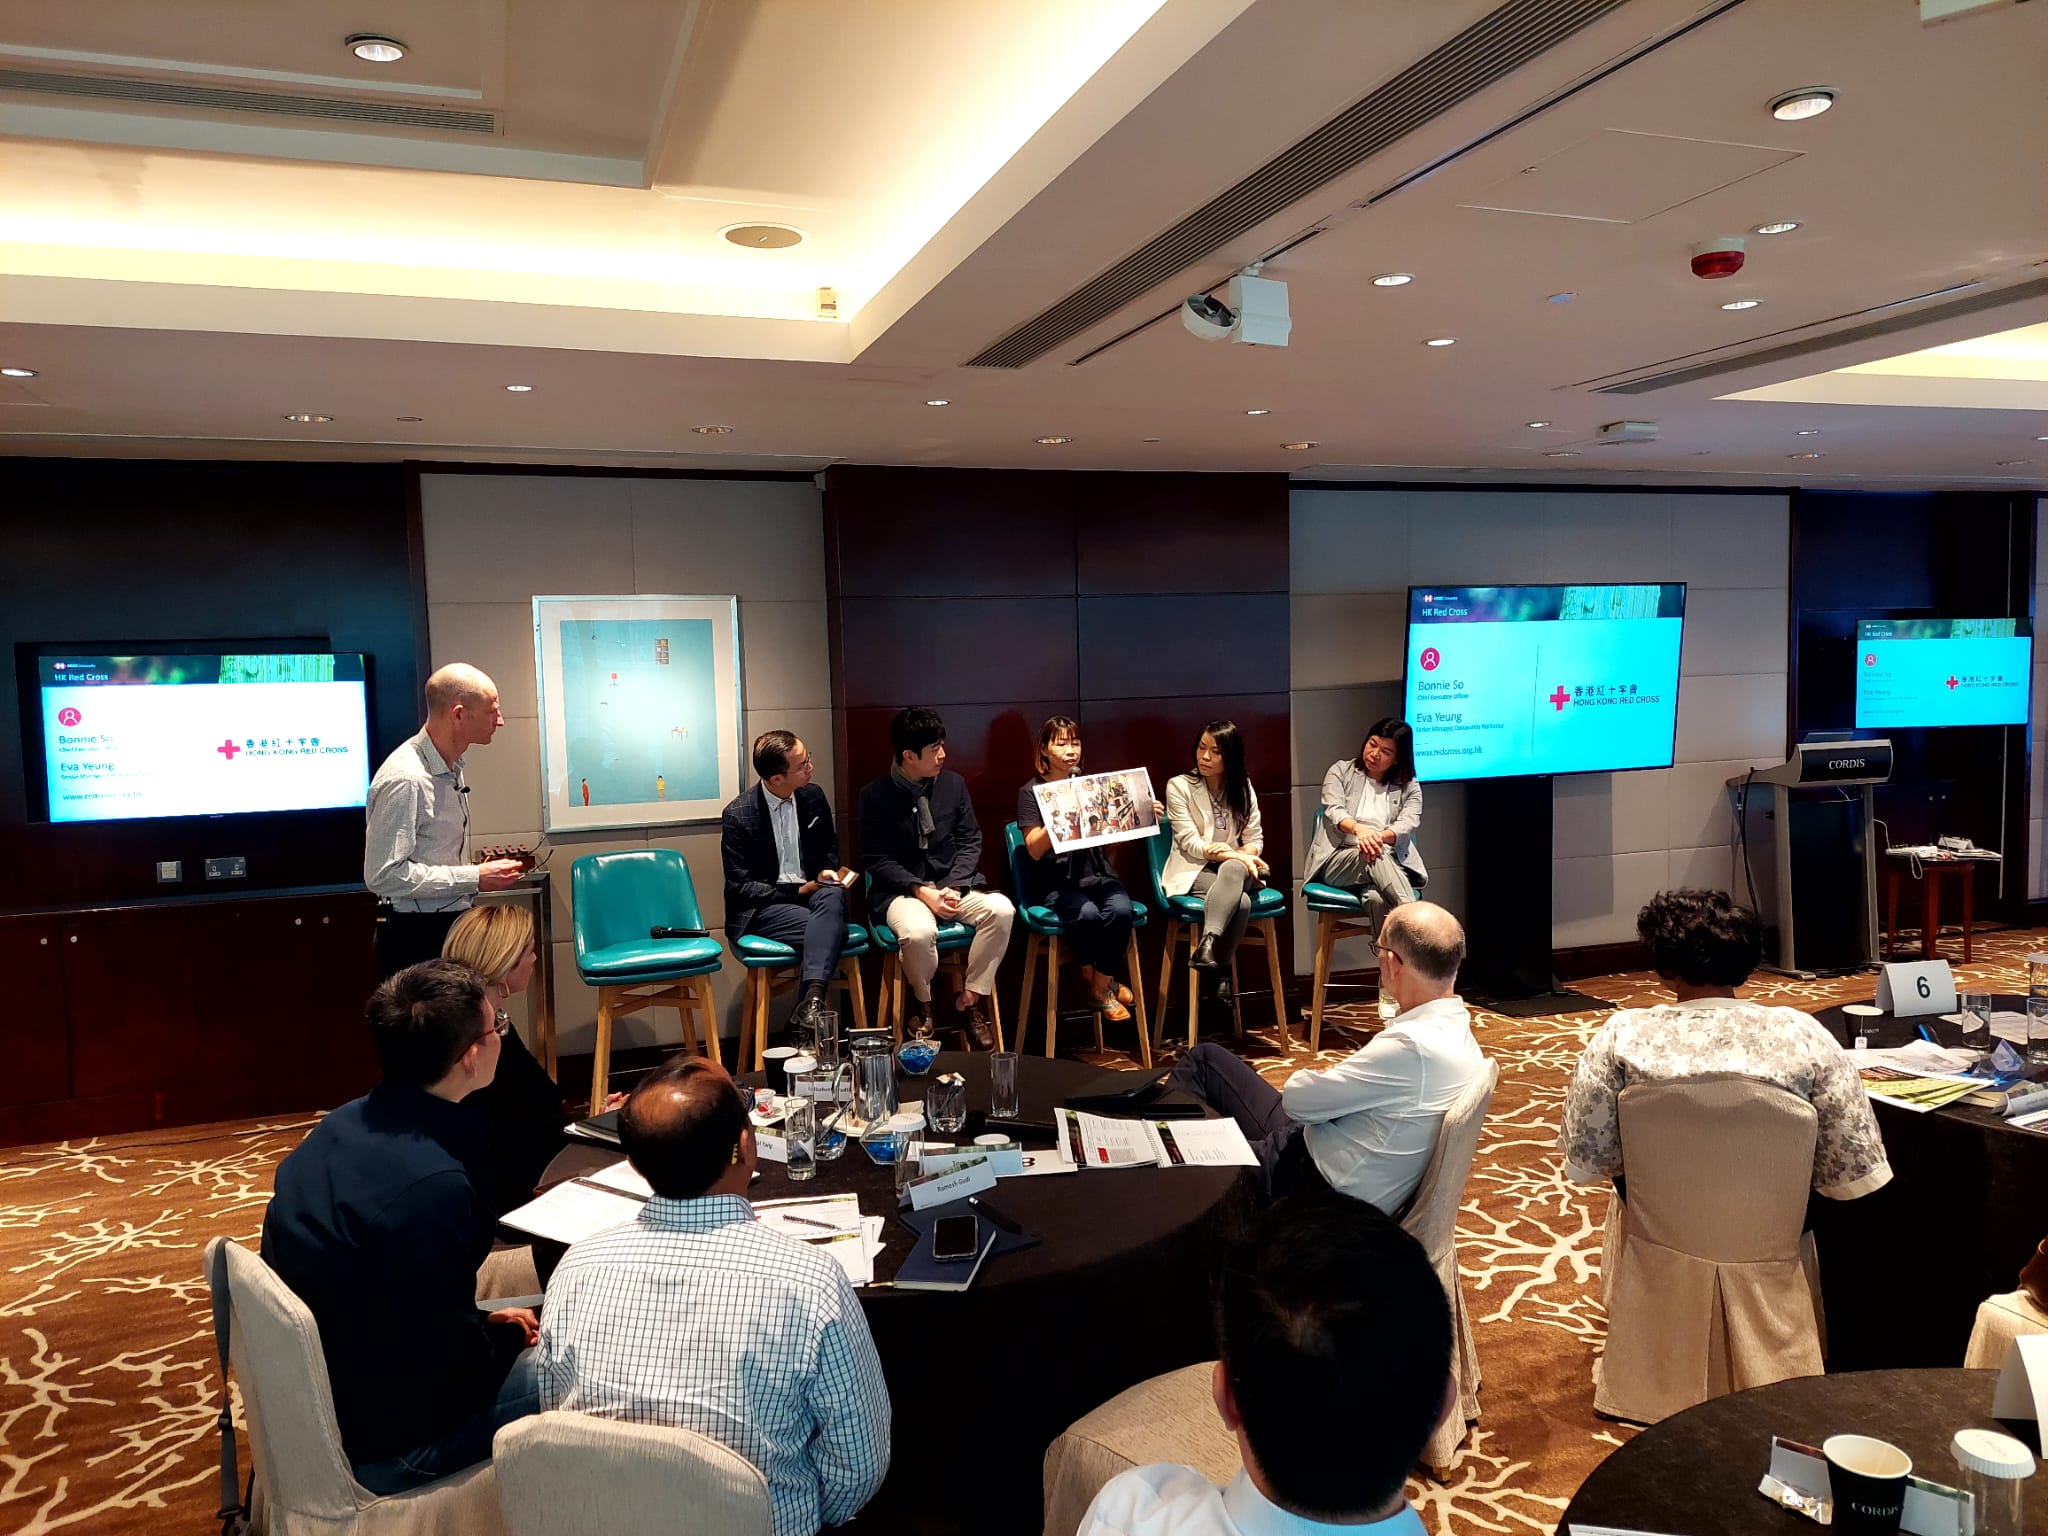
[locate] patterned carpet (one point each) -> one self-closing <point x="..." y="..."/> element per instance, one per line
<point x="108" y="1383"/>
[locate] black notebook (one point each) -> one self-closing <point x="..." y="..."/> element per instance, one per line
<point x="601" y="1128"/>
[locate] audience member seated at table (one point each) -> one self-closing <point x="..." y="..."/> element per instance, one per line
<point x="1213" y="817"/>
<point x="922" y="848"/>
<point x="1703" y="947"/>
<point x="1336" y="1345"/>
<point x="521" y="1105"/>
<point x="781" y="853"/>
<point x="1365" y="837"/>
<point x="379" y="1223"/>
<point x="697" y="1316"/>
<point x="1080" y="887"/>
<point x="1366" y="1126"/>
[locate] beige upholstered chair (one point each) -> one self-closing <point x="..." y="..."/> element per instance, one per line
<point x="1709" y="1285"/>
<point x="1169" y="1418"/>
<point x="566" y="1474"/>
<point x="508" y="1274"/>
<point x="1432" y="1220"/>
<point x="2000" y="1320"/>
<point x="303" y="1483"/>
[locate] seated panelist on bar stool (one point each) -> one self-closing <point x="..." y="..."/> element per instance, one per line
<point x="416" y="823"/>
<point x="922" y="847"/>
<point x="1213" y="817"/>
<point x="1080" y="887"/>
<point x="1366" y="1126"/>
<point x="1365" y="836"/>
<point x="782" y="874"/>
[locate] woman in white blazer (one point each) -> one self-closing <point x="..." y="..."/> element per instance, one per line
<point x="1365" y="836"/>
<point x="1217" y="839"/>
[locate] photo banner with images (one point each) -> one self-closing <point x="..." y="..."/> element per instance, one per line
<point x="1091" y="809"/>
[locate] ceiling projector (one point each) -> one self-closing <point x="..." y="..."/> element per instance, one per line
<point x="1254" y="312"/>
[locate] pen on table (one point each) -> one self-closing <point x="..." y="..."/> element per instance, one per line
<point x="994" y="1215"/>
<point x="1928" y="1035"/>
<point x="809" y="1223"/>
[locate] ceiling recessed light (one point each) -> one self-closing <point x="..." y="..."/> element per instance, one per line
<point x="519" y="389"/>
<point x="1562" y="453"/>
<point x="1052" y="442"/>
<point x="1442" y="341"/>
<point x="1258" y="410"/>
<point x="938" y="402"/>
<point x="18" y="373"/>
<point x="1781" y="227"/>
<point x="373" y="49"/>
<point x="1802" y="455"/>
<point x="763" y="237"/>
<point x="1797" y="106"/>
<point x="711" y="431"/>
<point x="1297" y="447"/>
<point x="1535" y="423"/>
<point x="1807" y="432"/>
<point x="1393" y="279"/>
<point x="1742" y="304"/>
<point x="306" y="418"/>
<point x="1560" y="298"/>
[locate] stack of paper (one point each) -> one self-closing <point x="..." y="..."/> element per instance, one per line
<point x="1097" y="1141"/>
<point x="833" y="1223"/>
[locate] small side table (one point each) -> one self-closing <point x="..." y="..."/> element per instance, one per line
<point x="533" y="889"/>
<point x="1898" y="868"/>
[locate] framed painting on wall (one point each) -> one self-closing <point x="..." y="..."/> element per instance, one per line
<point x="640" y="717"/>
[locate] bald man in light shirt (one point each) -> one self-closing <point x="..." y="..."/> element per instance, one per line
<point x="415" y="854"/>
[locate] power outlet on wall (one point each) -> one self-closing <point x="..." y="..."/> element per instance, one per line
<point x="169" y="872"/>
<point x="234" y="867"/>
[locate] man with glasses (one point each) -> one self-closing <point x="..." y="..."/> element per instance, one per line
<point x="415" y="854"/>
<point x="1366" y="1126"/>
<point x="379" y="1223"/>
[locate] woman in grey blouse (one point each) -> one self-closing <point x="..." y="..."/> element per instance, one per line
<point x="1365" y="836"/>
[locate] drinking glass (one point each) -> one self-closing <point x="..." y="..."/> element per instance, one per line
<point x="1002" y="1085"/>
<point x="1975" y="1008"/>
<point x="826" y="1045"/>
<point x="820" y="1087"/>
<point x="800" y="1127"/>
<point x="909" y="1158"/>
<point x="946" y="1101"/>
<point x="2037" y="1030"/>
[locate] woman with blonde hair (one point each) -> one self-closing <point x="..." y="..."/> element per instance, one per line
<point x="522" y="1107"/>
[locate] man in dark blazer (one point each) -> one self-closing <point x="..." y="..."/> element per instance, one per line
<point x="782" y="877"/>
<point x="922" y="848"/>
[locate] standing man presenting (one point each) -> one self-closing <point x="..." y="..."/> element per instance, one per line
<point x="782" y="879"/>
<point x="415" y="855"/>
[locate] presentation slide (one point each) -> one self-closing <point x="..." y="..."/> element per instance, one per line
<point x="1927" y="672"/>
<point x="131" y="736"/>
<point x="1528" y="680"/>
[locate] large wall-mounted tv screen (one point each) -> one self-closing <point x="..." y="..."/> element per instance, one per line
<point x="1503" y="681"/>
<point x="1928" y="672"/>
<point x="199" y="735"/>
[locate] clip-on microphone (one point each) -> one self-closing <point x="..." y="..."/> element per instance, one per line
<point x="659" y="932"/>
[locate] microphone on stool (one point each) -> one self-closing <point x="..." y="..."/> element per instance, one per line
<point x="659" y="932"/>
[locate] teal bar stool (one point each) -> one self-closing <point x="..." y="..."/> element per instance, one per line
<point x="1184" y="924"/>
<point x="771" y="968"/>
<point x="1046" y="930"/>
<point x="954" y="940"/>
<point x="1339" y="914"/>
<point x="617" y="898"/>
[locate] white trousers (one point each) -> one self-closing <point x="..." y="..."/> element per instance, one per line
<point x="986" y="912"/>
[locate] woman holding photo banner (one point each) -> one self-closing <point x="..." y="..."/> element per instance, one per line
<point x="1080" y="887"/>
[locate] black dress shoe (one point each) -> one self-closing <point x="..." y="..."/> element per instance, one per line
<point x="803" y="1020"/>
<point x="978" y="1027"/>
<point x="1204" y="957"/>
<point x="1221" y="994"/>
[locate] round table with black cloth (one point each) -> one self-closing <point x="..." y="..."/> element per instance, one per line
<point x="983" y="1380"/>
<point x="1902" y="1270"/>
<point x="1698" y="1471"/>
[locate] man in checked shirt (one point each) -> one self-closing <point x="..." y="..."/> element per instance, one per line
<point x="696" y="1315"/>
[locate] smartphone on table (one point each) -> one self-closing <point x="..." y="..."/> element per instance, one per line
<point x="955" y="1238"/>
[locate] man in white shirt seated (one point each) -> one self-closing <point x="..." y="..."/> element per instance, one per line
<point x="1336" y="1343"/>
<point x="696" y="1315"/>
<point x="1366" y="1126"/>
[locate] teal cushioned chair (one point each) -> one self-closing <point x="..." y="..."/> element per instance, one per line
<point x="765" y="961"/>
<point x="954" y="940"/>
<point x="1046" y="930"/>
<point x="1340" y="913"/>
<point x="616" y="898"/>
<point x="1184" y="926"/>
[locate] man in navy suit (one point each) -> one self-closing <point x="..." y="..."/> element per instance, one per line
<point x="781" y="855"/>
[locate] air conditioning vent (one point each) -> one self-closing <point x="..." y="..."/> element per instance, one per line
<point x="212" y="98"/>
<point x="1487" y="51"/>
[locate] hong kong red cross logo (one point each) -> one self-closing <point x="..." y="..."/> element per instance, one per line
<point x="228" y="749"/>
<point x="1951" y="683"/>
<point x="1560" y="698"/>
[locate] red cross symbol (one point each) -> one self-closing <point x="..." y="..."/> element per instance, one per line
<point x="1560" y="698"/>
<point x="228" y="749"/>
<point x="1951" y="683"/>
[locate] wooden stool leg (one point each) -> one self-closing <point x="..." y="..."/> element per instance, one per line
<point x="1031" y="954"/>
<point x="1236" y="1002"/>
<point x="1272" y="928"/>
<point x="1138" y="999"/>
<point x="1052" y="993"/>
<point x="761" y="997"/>
<point x="896" y="998"/>
<point x="1326" y="944"/>
<point x="679" y="996"/>
<point x="1969" y="906"/>
<point x="995" y="1019"/>
<point x="1165" y="984"/>
<point x="601" y="1061"/>
<point x="1194" y="980"/>
<point x="747" y="1012"/>
<point x="1930" y="921"/>
<point x="849" y="971"/>
<point x="707" y="1005"/>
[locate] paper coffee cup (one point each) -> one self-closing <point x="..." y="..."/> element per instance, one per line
<point x="1863" y="1011"/>
<point x="1867" y="1484"/>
